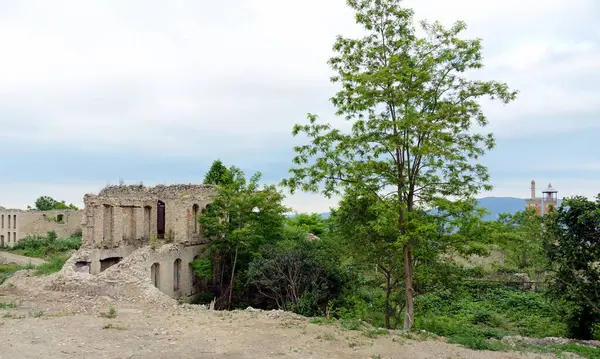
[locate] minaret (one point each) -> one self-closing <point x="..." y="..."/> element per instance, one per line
<point x="532" y="189"/>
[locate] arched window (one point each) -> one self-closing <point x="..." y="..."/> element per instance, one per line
<point x="160" y="219"/>
<point x="155" y="274"/>
<point x="195" y="209"/>
<point x="177" y="275"/>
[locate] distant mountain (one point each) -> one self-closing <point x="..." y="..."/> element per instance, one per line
<point x="497" y="205"/>
<point x="494" y="205"/>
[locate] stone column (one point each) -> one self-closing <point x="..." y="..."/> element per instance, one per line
<point x="98" y="218"/>
<point x="117" y="235"/>
<point x="138" y="214"/>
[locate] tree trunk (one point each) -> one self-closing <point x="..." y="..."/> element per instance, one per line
<point x="388" y="310"/>
<point x="232" y="278"/>
<point x="408" y="275"/>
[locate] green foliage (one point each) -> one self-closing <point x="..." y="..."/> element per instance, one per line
<point x="53" y="265"/>
<point x="218" y="174"/>
<point x="48" y="246"/>
<point x="242" y="217"/>
<point x="298" y="278"/>
<point x="202" y="268"/>
<point x="351" y="324"/>
<point x="521" y="238"/>
<point x="574" y="254"/>
<point x="311" y="223"/>
<point x="475" y="313"/>
<point x="7" y="270"/>
<point x="46" y="203"/>
<point x="111" y="314"/>
<point x="6" y="305"/>
<point x="412" y="112"/>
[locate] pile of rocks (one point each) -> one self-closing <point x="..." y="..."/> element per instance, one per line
<point x="124" y="280"/>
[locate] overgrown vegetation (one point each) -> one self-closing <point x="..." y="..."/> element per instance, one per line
<point x="475" y="312"/>
<point x="55" y="251"/>
<point x="46" y="203"/>
<point x="46" y="246"/>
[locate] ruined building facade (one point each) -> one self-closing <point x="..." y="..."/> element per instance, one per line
<point x="122" y="219"/>
<point x="544" y="204"/>
<point x="15" y="224"/>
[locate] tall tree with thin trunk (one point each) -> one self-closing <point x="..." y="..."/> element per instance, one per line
<point x="413" y="113"/>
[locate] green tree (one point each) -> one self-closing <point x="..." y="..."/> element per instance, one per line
<point x="218" y="174"/>
<point x="521" y="237"/>
<point x="311" y="223"/>
<point x="414" y="116"/>
<point x="574" y="254"/>
<point x="242" y="217"/>
<point x="297" y="277"/>
<point x="365" y="227"/>
<point x="45" y="203"/>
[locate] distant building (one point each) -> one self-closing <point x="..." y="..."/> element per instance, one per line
<point x="545" y="203"/>
<point x="16" y="224"/>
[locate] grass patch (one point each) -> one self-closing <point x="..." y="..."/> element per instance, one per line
<point x="114" y="327"/>
<point x="6" y="305"/>
<point x="351" y="324"/>
<point x="373" y="333"/>
<point x="46" y="246"/>
<point x="111" y="314"/>
<point x="321" y="320"/>
<point x="478" y="317"/>
<point x="582" y="350"/>
<point x="53" y="265"/>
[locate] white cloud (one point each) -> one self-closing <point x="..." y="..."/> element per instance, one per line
<point x="121" y="73"/>
<point x="108" y="74"/>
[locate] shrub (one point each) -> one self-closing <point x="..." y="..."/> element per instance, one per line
<point x="53" y="265"/>
<point x="34" y="246"/>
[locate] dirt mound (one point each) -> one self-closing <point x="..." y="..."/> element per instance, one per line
<point x="126" y="280"/>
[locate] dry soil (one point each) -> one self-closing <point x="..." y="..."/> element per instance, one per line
<point x="49" y="324"/>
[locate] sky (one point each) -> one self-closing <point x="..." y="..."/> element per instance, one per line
<point x="96" y="91"/>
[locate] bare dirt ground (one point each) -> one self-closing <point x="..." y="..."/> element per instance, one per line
<point x="48" y="324"/>
<point x="8" y="258"/>
<point x="60" y="316"/>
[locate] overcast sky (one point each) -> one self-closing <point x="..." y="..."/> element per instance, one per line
<point x="154" y="91"/>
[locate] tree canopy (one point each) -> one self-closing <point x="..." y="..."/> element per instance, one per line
<point x="573" y="246"/>
<point x="414" y="116"/>
<point x="46" y="203"/>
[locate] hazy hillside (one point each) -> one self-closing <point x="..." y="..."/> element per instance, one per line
<point x="495" y="205"/>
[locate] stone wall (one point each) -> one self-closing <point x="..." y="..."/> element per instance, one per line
<point x="125" y="222"/>
<point x="16" y="225"/>
<point x="129" y="215"/>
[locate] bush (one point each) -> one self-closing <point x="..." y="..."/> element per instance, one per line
<point x="296" y="278"/>
<point x="53" y="265"/>
<point x="474" y="314"/>
<point x="48" y="246"/>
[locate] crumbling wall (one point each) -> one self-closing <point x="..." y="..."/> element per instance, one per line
<point x="132" y="276"/>
<point x="129" y="215"/>
<point x="18" y="224"/>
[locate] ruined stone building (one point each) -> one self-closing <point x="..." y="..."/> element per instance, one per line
<point x="16" y="224"/>
<point x="542" y="204"/>
<point x="122" y="219"/>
